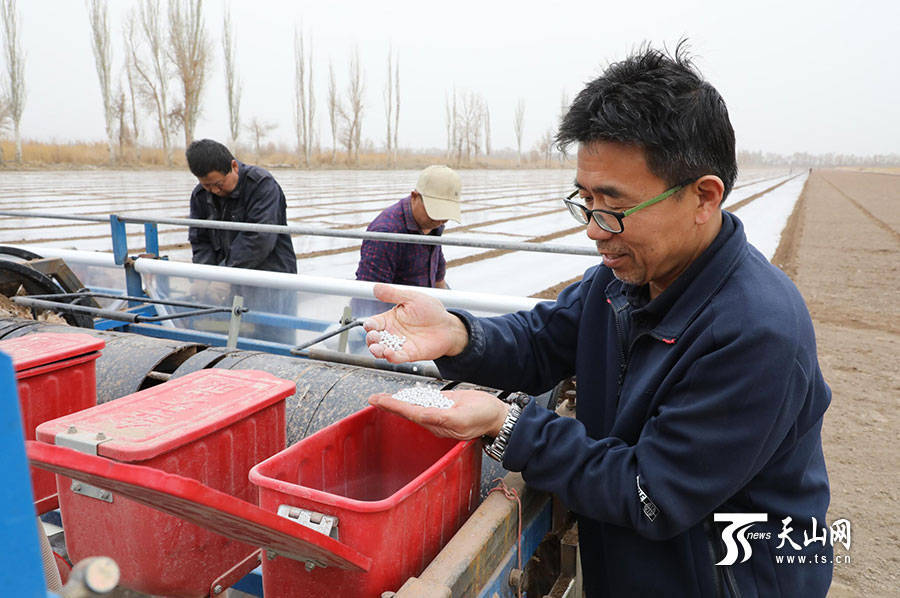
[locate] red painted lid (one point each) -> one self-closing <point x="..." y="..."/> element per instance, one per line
<point x="192" y="501"/>
<point x="41" y="348"/>
<point x="165" y="417"/>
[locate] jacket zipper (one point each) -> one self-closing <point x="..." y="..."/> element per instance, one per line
<point x="623" y="363"/>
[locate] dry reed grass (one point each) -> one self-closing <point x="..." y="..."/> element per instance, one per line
<point x="42" y="155"/>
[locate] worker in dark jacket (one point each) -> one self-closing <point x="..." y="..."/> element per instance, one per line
<point x="233" y="191"/>
<point x="695" y="464"/>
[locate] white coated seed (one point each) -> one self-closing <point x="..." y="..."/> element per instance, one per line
<point x="391" y="341"/>
<point x="424" y="396"/>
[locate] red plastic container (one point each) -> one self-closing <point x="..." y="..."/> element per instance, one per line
<point x="212" y="426"/>
<point x="399" y="494"/>
<point x="56" y="375"/>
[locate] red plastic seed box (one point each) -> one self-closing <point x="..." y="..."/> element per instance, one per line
<point x="55" y="375"/>
<point x="212" y="426"/>
<point x="398" y="494"/>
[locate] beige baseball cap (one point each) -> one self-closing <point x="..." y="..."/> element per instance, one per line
<point x="440" y="187"/>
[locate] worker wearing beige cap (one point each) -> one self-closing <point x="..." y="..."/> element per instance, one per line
<point x="433" y="202"/>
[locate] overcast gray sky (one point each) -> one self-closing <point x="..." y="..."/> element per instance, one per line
<point x="817" y="76"/>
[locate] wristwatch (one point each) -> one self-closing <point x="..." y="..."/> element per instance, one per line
<point x="495" y="448"/>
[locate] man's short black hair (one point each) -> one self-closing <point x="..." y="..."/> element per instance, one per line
<point x="205" y="155"/>
<point x="662" y="104"/>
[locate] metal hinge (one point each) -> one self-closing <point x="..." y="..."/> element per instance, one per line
<point x="83" y="442"/>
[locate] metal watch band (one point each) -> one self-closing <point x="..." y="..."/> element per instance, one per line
<point x="496" y="449"/>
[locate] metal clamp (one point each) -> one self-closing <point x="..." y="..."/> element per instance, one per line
<point x="85" y="489"/>
<point x="324" y="524"/>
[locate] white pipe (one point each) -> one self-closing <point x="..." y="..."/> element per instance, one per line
<point x="86" y="258"/>
<point x="328" y="286"/>
<point x="487" y="302"/>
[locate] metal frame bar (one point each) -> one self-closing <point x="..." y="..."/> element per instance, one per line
<point x="329" y="286"/>
<point x="105" y="295"/>
<point x="110" y="314"/>
<point x="480" y="243"/>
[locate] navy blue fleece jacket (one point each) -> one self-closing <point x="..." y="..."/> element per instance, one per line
<point x="707" y="399"/>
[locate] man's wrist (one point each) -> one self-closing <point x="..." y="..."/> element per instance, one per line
<point x="459" y="335"/>
<point x="499" y="421"/>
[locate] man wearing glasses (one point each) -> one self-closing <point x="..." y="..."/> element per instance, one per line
<point x="233" y="191"/>
<point x="699" y="388"/>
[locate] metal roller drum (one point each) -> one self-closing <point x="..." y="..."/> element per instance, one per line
<point x="128" y="363"/>
<point x="326" y="392"/>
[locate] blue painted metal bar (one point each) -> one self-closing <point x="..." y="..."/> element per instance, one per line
<point x="133" y="283"/>
<point x="23" y="574"/>
<point x="251" y="583"/>
<point x="105" y="324"/>
<point x="208" y="338"/>
<point x="119" y="239"/>
<point x="151" y="238"/>
<point x="532" y="534"/>
<point x="262" y="317"/>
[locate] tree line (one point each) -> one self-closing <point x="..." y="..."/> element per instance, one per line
<point x="167" y="54"/>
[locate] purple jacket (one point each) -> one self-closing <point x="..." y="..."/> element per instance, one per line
<point x="400" y="263"/>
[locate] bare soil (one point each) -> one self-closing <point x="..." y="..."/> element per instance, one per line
<point x="10" y="309"/>
<point x="841" y="248"/>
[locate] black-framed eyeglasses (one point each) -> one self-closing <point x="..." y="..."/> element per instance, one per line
<point x="609" y="220"/>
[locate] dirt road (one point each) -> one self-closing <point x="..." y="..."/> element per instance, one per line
<point x="842" y="249"/>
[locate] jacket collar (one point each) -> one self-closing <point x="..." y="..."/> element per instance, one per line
<point x="696" y="287"/>
<point x="242" y="176"/>
<point x="410" y="222"/>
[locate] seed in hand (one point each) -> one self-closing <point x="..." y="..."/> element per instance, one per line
<point x="424" y="396"/>
<point x="391" y="341"/>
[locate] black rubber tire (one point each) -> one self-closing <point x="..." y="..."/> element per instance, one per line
<point x="36" y="283"/>
<point x="23" y="254"/>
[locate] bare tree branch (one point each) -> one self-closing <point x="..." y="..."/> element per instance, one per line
<point x="152" y="73"/>
<point x="486" y="119"/>
<point x="259" y="130"/>
<point x="519" y="126"/>
<point x="15" y="69"/>
<point x="389" y="103"/>
<point x="544" y="146"/>
<point x="351" y="115"/>
<point x="233" y="87"/>
<point x="311" y="106"/>
<point x="98" y="15"/>
<point x="396" y="103"/>
<point x="120" y="116"/>
<point x="332" y="110"/>
<point x="304" y="97"/>
<point x="392" y="105"/>
<point x="132" y="85"/>
<point x="189" y="51"/>
<point x="300" y="106"/>
<point x="448" y="123"/>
